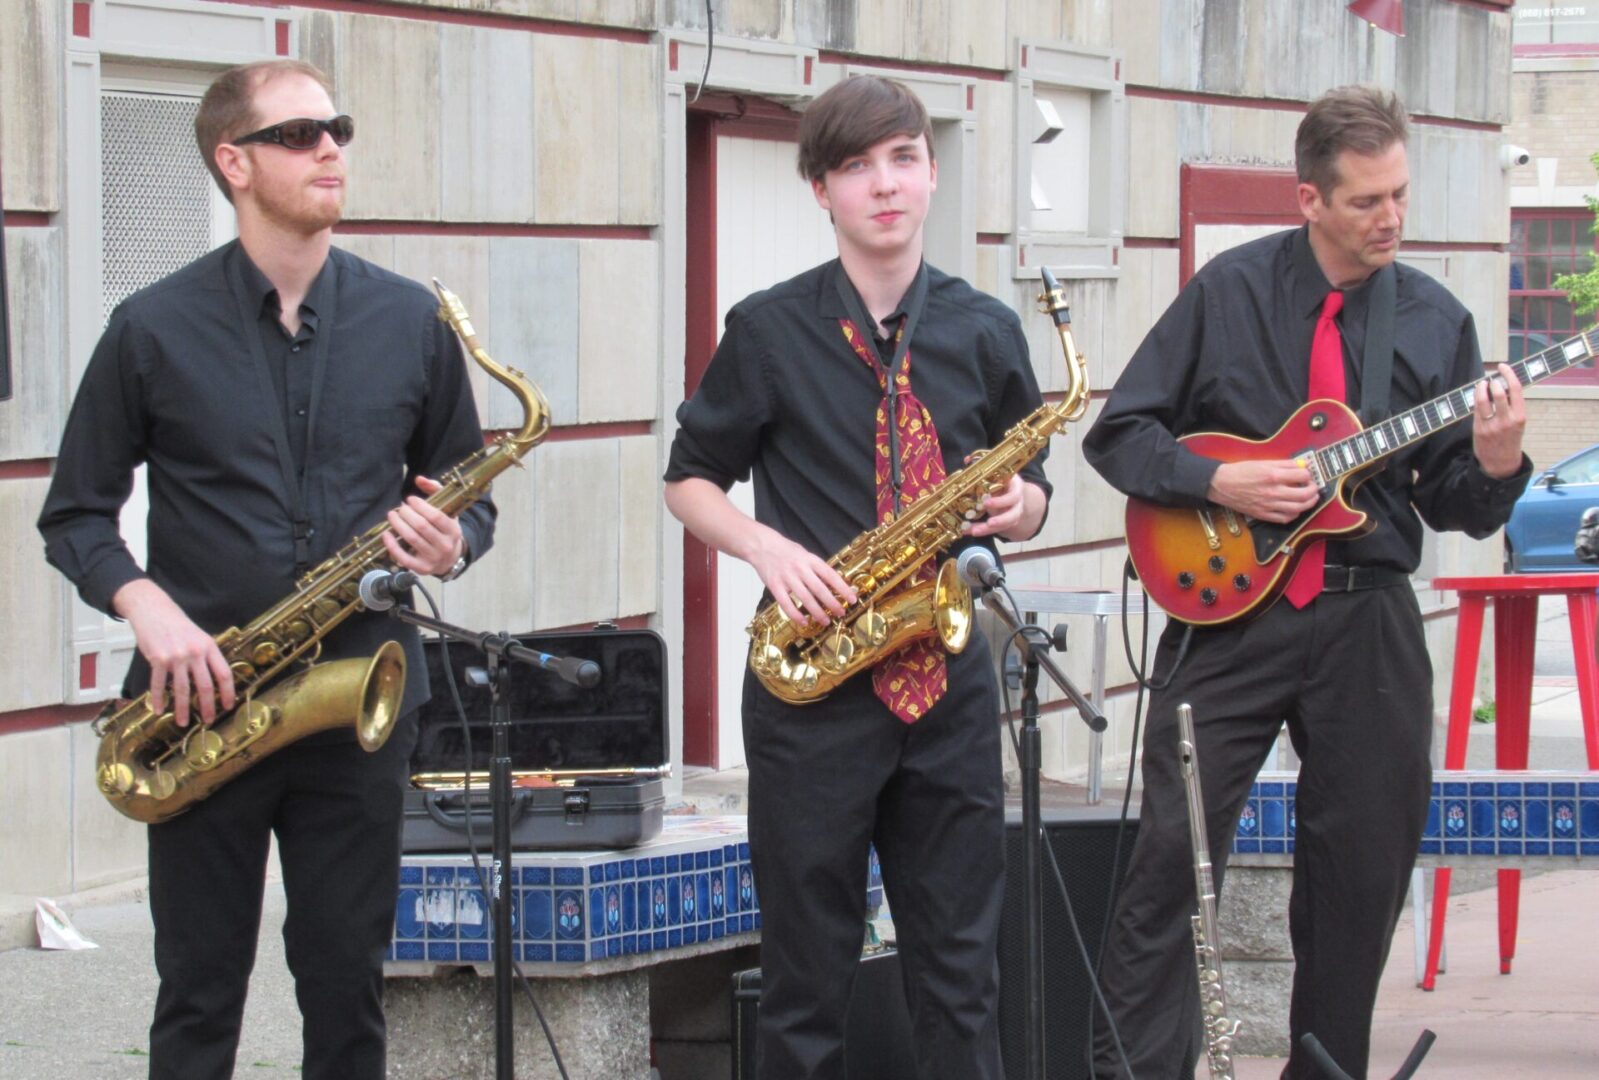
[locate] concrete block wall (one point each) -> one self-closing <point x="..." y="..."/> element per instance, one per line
<point x="1552" y="117"/>
<point x="1559" y="423"/>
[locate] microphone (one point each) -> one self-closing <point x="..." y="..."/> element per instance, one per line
<point x="578" y="672"/>
<point x="978" y="569"/>
<point x="381" y="589"/>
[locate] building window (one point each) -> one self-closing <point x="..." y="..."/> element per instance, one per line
<point x="1543" y="245"/>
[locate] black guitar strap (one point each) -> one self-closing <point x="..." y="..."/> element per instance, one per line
<point x="1377" y="366"/>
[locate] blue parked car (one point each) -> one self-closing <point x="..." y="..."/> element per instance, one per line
<point x="1542" y="528"/>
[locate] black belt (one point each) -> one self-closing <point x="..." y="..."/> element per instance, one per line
<point x="1352" y="578"/>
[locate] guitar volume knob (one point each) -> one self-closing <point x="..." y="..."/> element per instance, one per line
<point x="1217" y="564"/>
<point x="1207" y="596"/>
<point x="1241" y="582"/>
<point x="1185" y="580"/>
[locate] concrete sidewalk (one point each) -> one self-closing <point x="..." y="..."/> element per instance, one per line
<point x="65" y="1016"/>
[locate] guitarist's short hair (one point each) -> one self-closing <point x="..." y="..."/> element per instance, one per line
<point x="1364" y="119"/>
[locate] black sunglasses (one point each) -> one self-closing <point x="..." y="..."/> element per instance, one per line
<point x="302" y="133"/>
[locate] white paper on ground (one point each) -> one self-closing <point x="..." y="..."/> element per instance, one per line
<point x="55" y="929"/>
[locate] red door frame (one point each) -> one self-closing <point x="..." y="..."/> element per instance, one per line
<point x="1232" y="195"/>
<point x="712" y="116"/>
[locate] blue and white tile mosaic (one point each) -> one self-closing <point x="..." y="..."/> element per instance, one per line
<point x="1494" y="813"/>
<point x="691" y="884"/>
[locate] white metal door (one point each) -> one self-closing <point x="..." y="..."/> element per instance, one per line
<point x="768" y="228"/>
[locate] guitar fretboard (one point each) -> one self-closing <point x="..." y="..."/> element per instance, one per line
<point x="1397" y="432"/>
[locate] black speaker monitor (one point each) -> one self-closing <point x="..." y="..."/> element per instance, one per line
<point x="1086" y="844"/>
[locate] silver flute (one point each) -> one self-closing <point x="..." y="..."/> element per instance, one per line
<point x="1219" y="1028"/>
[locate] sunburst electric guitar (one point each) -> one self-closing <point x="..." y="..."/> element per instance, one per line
<point x="1215" y="565"/>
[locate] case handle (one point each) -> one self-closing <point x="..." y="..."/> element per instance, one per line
<point x="455" y="820"/>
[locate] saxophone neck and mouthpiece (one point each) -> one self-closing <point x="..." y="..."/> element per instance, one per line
<point x="1052" y="301"/>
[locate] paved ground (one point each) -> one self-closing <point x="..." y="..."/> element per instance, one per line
<point x="65" y="1016"/>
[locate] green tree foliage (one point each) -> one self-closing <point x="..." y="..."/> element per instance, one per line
<point x="1583" y="289"/>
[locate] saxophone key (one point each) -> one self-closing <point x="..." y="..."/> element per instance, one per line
<point x="116" y="779"/>
<point x="265" y="653"/>
<point x="872" y="629"/>
<point x="162" y="784"/>
<point x="327" y="609"/>
<point x="202" y="749"/>
<point x="839" y="648"/>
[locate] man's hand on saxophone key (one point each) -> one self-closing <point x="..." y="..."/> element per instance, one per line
<point x="1016" y="513"/>
<point x="422" y="537"/>
<point x="177" y="650"/>
<point x="803" y="585"/>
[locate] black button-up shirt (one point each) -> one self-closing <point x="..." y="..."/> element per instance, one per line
<point x="182" y="381"/>
<point x="1232" y="354"/>
<point x="288" y="356"/>
<point x="786" y="399"/>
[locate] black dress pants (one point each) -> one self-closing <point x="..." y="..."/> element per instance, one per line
<point x="337" y="812"/>
<point x="1350" y="676"/>
<point x="829" y="779"/>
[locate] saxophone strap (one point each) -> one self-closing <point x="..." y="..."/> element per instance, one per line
<point x="911" y="304"/>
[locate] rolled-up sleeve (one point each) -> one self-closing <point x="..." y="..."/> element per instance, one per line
<point x="719" y="428"/>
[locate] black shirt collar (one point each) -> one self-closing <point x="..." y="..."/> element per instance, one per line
<point x="1311" y="286"/>
<point x="831" y="306"/>
<point x="263" y="295"/>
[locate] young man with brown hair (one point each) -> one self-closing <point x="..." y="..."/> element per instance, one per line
<point x="284" y="397"/>
<point x="906" y="758"/>
<point x="1342" y="657"/>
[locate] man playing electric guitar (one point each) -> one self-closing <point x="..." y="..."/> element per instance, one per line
<point x="1341" y="659"/>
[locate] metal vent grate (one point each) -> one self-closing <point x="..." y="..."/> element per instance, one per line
<point x="154" y="189"/>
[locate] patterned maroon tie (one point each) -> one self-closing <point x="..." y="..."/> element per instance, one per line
<point x="912" y="679"/>
<point x="1326" y="381"/>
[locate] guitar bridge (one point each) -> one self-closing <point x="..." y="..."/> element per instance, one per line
<point x="1209" y="525"/>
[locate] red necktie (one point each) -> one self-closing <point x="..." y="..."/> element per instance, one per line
<point x="1326" y="381"/>
<point x="912" y="679"/>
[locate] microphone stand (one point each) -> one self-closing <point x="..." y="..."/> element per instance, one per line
<point x="1035" y="657"/>
<point x="497" y="649"/>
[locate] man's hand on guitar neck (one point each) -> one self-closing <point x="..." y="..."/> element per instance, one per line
<point x="1275" y="491"/>
<point x="1498" y="418"/>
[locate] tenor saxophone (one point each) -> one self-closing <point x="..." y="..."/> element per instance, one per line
<point x="800" y="665"/>
<point x="151" y="769"/>
<point x="1219" y="1028"/>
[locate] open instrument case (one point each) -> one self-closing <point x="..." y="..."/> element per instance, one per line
<point x="588" y="764"/>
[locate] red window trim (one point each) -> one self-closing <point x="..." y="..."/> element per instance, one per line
<point x="1555" y="213"/>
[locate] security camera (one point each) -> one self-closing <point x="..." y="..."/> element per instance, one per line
<point x="1510" y="156"/>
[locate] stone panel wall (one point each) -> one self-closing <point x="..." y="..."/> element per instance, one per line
<point x="30" y="87"/>
<point x="31" y="422"/>
<point x="467" y="123"/>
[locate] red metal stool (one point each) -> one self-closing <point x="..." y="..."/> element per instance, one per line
<point x="1515" y="598"/>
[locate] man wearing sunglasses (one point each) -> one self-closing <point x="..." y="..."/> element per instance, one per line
<point x="285" y="396"/>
